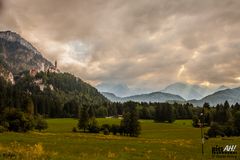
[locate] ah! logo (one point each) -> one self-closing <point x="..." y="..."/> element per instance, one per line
<point x="230" y="148"/>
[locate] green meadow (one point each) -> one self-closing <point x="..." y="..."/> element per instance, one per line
<point x="157" y="141"/>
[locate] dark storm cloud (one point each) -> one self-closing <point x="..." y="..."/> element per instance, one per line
<point x="141" y="43"/>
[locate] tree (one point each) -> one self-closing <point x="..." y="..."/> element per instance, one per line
<point x="222" y="114"/>
<point x="40" y="123"/>
<point x="207" y="114"/>
<point x="237" y="121"/>
<point x="30" y="106"/>
<point x="115" y="129"/>
<point x="84" y="118"/>
<point x="130" y="122"/>
<point x="93" y="126"/>
<point x="215" y="130"/>
<point x="17" y="120"/>
<point x="195" y="121"/>
<point x="170" y="113"/>
<point x="125" y="123"/>
<point x="158" y="114"/>
<point x="145" y="113"/>
<point x="164" y="112"/>
<point x="91" y="112"/>
<point x="102" y="112"/>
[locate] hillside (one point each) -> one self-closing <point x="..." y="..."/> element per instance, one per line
<point x="34" y="78"/>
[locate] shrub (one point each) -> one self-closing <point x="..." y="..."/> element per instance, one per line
<point x="228" y="130"/>
<point x="215" y="130"/>
<point x="41" y="124"/>
<point x="195" y="121"/>
<point x="2" y="129"/>
<point x="102" y="112"/>
<point x="105" y="126"/>
<point x="115" y="129"/>
<point x="5" y="124"/>
<point x="74" y="129"/>
<point x="17" y="121"/>
<point x="93" y="126"/>
<point x="106" y="131"/>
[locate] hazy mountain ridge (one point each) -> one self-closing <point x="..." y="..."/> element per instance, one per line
<point x="151" y="97"/>
<point x="189" y="91"/>
<point x="219" y="97"/>
<point x="121" y="89"/>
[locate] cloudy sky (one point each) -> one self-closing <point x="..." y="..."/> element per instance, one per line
<point x="141" y="43"/>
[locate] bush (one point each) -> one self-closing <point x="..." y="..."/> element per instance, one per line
<point x="17" y="121"/>
<point x="105" y="126"/>
<point x="115" y="129"/>
<point x="215" y="130"/>
<point x="106" y="131"/>
<point x="2" y="129"/>
<point x="5" y="124"/>
<point x="41" y="124"/>
<point x="102" y="112"/>
<point x="74" y="129"/>
<point x="93" y="126"/>
<point x="195" y="121"/>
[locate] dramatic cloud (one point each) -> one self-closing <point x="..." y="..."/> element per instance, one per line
<point x="144" y="44"/>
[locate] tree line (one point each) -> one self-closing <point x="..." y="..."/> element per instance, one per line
<point x="129" y="126"/>
<point x="70" y="95"/>
<point x="223" y="119"/>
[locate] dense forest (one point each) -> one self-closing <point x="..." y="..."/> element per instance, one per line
<point x="52" y="94"/>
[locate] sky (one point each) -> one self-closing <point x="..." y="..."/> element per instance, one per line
<point x="140" y="43"/>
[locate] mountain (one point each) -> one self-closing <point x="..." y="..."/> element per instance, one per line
<point x="189" y="91"/>
<point x="121" y="89"/>
<point x="33" y="75"/>
<point x="118" y="89"/>
<point x="18" y="55"/>
<point x="151" y="97"/>
<point x="154" y="97"/>
<point x="112" y="97"/>
<point x="221" y="88"/>
<point x="231" y="95"/>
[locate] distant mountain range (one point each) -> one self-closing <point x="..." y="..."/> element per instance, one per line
<point x="180" y="92"/>
<point x="189" y="91"/>
<point x="219" y="97"/>
<point x="151" y="97"/>
<point x="120" y="89"/>
<point x="185" y="90"/>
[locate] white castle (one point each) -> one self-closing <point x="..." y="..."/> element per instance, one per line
<point x="49" y="69"/>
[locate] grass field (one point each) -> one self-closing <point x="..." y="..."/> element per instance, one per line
<point x="157" y="141"/>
